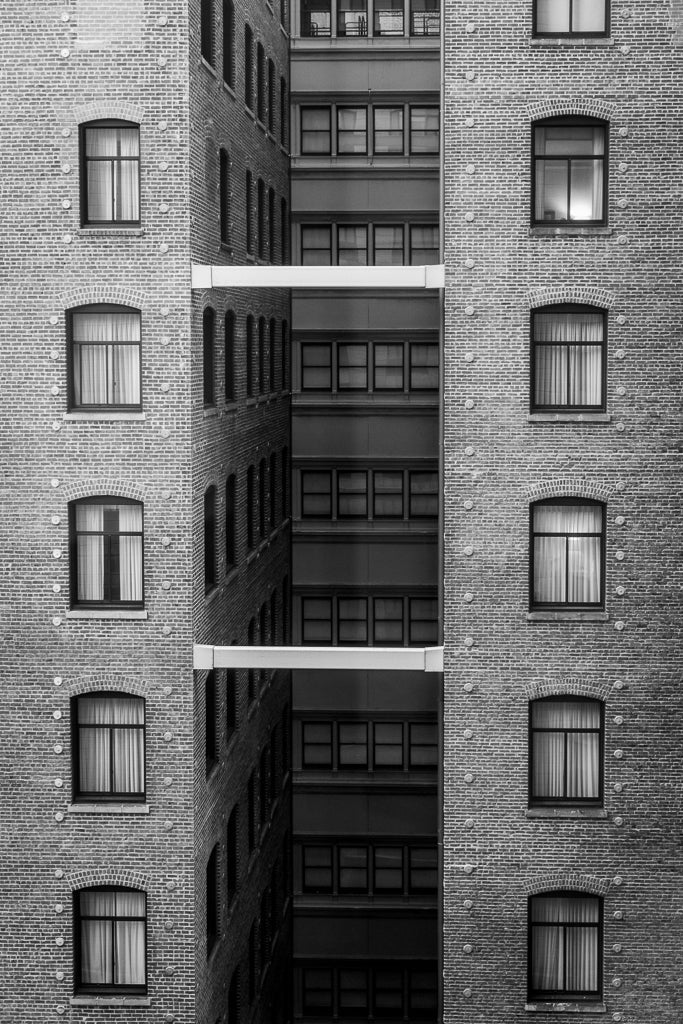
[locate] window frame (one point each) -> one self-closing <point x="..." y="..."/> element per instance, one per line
<point x="411" y="130"/>
<point x="342" y="133"/>
<point x="571" y="121"/>
<point x="535" y="344"/>
<point x="570" y="34"/>
<point x="105" y="796"/>
<point x="567" y="606"/>
<point x="379" y="132"/>
<point x="209" y="357"/>
<point x="567" y="801"/>
<point x="304" y="477"/>
<point x="105" y="603"/>
<point x="93" y="309"/>
<point x="210" y="539"/>
<point x="213" y="903"/>
<point x="84" y="988"/>
<point x="207" y="41"/>
<point x="325" y="249"/>
<point x="554" y="995"/>
<point x="111" y="222"/>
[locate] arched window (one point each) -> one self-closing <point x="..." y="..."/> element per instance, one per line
<point x="271" y="225"/>
<point x="272" y="335"/>
<point x="224" y="196"/>
<point x="110" y="173"/>
<point x="208" y="326"/>
<point x="104" y="357"/>
<point x="210" y="721"/>
<point x="273" y="491"/>
<point x="568" y="345"/>
<point x="207" y="31"/>
<point x="229" y="356"/>
<point x="261" y="219"/>
<point x="212" y="900"/>
<point x="262" y="486"/>
<point x="108" y="743"/>
<point x="260" y="83"/>
<point x="249" y="67"/>
<point x="284" y="478"/>
<point x="570" y="171"/>
<point x="230" y="523"/>
<point x="565" y="946"/>
<point x="284" y="355"/>
<point x="229" y="43"/>
<point x="210" y="539"/>
<point x="106" y="552"/>
<point x="565" y="751"/>
<point x="567" y="553"/>
<point x="284" y="230"/>
<point x="251" y="510"/>
<point x="250" y="356"/>
<point x="249" y="215"/>
<point x="110" y="939"/>
<point x="261" y="355"/>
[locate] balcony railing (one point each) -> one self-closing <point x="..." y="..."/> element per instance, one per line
<point x="425" y="23"/>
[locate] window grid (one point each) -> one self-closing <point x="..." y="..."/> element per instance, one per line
<point x="106" y="538"/>
<point x="576" y="749"/>
<point x="398" y="365"/>
<point x="557" y="18"/>
<point x="570" y="573"/>
<point x="122" y="914"/>
<point x="564" y="949"/>
<point x="110" y="173"/>
<point x="108" y="747"/>
<point x="104" y="355"/>
<point x="569" y="156"/>
<point x="353" y="244"/>
<point x="349" y="619"/>
<point x="344" y="989"/>
<point x="370" y="745"/>
<point x="352" y="18"/>
<point x="568" y="359"/>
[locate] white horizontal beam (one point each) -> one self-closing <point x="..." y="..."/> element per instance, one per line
<point x="256" y="276"/>
<point x="394" y="659"/>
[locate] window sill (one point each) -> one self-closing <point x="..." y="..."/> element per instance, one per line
<point x="110" y="613"/>
<point x="100" y="232"/>
<point x="229" y="89"/>
<point x="203" y="62"/>
<point x="569" y="417"/>
<point x="567" y="616"/>
<point x="102" y="416"/>
<point x="108" y="808"/>
<point x="110" y="1001"/>
<point x="211" y="595"/>
<point x="566" y="812"/>
<point x="565" y="1007"/>
<point x="209" y="410"/>
<point x="569" y="231"/>
<point x="572" y="41"/>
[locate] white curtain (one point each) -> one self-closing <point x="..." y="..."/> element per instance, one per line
<point x="556" y="752"/>
<point x="388" y="130"/>
<point x="564" y="959"/>
<point x="388" y="245"/>
<point x="112" y="948"/>
<point x="106" y="358"/>
<point x="112" y="172"/>
<point x="130" y="552"/>
<point x="388" y="621"/>
<point x="351" y="129"/>
<point x="568" y="354"/>
<point x="90" y="552"/>
<point x="567" y="566"/>
<point x="110" y="757"/>
<point x="424" y="244"/>
<point x="388" y="366"/>
<point x="353" y="246"/>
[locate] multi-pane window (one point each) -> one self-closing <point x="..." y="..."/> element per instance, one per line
<point x="352" y="366"/>
<point x="387" y="130"/>
<point x="387" y="494"/>
<point x="571" y="17"/>
<point x="396" y="366"/>
<point x="272" y="489"/>
<point x="317" y="990"/>
<point x="568" y="359"/>
<point x="424" y="495"/>
<point x="424" y="17"/>
<point x="104" y="357"/>
<point x="423" y="869"/>
<point x="352" y="745"/>
<point x="208" y="373"/>
<point x="567" y="555"/>
<point x="387" y="869"/>
<point x="352" y="245"/>
<point x="352" y="130"/>
<point x="207" y="31"/>
<point x="316" y="869"/>
<point x="212" y="900"/>
<point x="316" y="18"/>
<point x="424" y="367"/>
<point x="353" y="869"/>
<point x="352" y="620"/>
<point x="352" y="17"/>
<point x="110" y="173"/>
<point x="424" y="244"/>
<point x="316" y="620"/>
<point x="424" y="129"/>
<point x="335" y="868"/>
<point x="352" y="494"/>
<point x="387" y="365"/>
<point x="210" y="721"/>
<point x="423" y="745"/>
<point x="209" y="539"/>
<point x="110" y="927"/>
<point x="317" y="744"/>
<point x="224" y="196"/>
<point x="316" y="494"/>
<point x="106" y="552"/>
<point x="565" y="751"/>
<point x="569" y="171"/>
<point x="388" y="18"/>
<point x="423" y="621"/>
<point x="316" y="367"/>
<point x="316" y="131"/>
<point x="376" y="990"/>
<point x="565" y="940"/>
<point x="388" y="745"/>
<point x="388" y="621"/>
<point x="316" y="245"/>
<point x="388" y="239"/>
<point x="397" y="745"/>
<point x="108" y="732"/>
<point x="229" y="43"/>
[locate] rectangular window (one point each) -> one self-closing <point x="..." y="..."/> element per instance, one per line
<point x="388" y="245"/>
<point x="424" y="130"/>
<point x="352" y="18"/>
<point x="388" y="869"/>
<point x="110" y="173"/>
<point x="352" y="620"/>
<point x="565" y="946"/>
<point x="387" y="130"/>
<point x="109" y="747"/>
<point x="248" y="67"/>
<point x="569" y="175"/>
<point x="210" y="722"/>
<point x="423" y="869"/>
<point x="232" y="851"/>
<point x="352" y="745"/>
<point x="316" y="367"/>
<point x="106" y="546"/>
<point x="212" y="904"/>
<point x="316" y="615"/>
<point x="352" y="245"/>
<point x="317" y="869"/>
<point x="353" y="993"/>
<point x="352" y="367"/>
<point x="388" y="994"/>
<point x="352" y="130"/>
<point x="565" y="751"/>
<point x="423" y="621"/>
<point x="388" y="621"/>
<point x="424" y="367"/>
<point x="422" y="994"/>
<point x="423" y="745"/>
<point x="316" y="133"/>
<point x="316" y="18"/>
<point x="353" y="869"/>
<point x="387" y="367"/>
<point x="110" y="941"/>
<point x="388" y="18"/>
<point x="567" y="360"/>
<point x="387" y="494"/>
<point x="316" y="985"/>
<point x="567" y="556"/>
<point x="352" y="494"/>
<point x="316" y="245"/>
<point x="424" y="495"/>
<point x="104" y="347"/>
<point x="424" y="244"/>
<point x="570" y="17"/>
<point x="316" y="494"/>
<point x="316" y="744"/>
<point x="388" y="745"/>
<point x="424" y="17"/>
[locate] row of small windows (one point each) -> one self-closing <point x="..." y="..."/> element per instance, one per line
<point x="369" y="746"/>
<point x="385" y="366"/>
<point x="377" y="868"/>
<point x="379" y="990"/>
<point x="370" y="17"/>
<point x="354" y="245"/>
<point x="382" y="620"/>
<point x="266" y="348"/>
<point x="369" y="494"/>
<point x="375" y="131"/>
<point x="261" y="238"/>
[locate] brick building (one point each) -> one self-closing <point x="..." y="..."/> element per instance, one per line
<point x="225" y="466"/>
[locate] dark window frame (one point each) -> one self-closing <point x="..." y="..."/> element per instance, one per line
<point x="535" y="344"/>
<point x="111" y="222"/>
<point x="229" y="43"/>
<point x="570" y="121"/>
<point x="341" y="133"/>
<point x="412" y="130"/>
<point x="535" y="605"/>
<point x="224" y="196"/>
<point x="110" y="554"/>
<point x="210" y="539"/>
<point x="212" y="911"/>
<point x="229" y="355"/>
<point x="304" y="493"/>
<point x="249" y="66"/>
<point x="112" y="988"/>
<point x="571" y="33"/>
<point x="106" y="796"/>
<point x="317" y="249"/>
<point x="355" y="248"/>
<point x="304" y="132"/>
<point x="553" y="995"/>
<point x="567" y="801"/>
<point x="428" y="29"/>
<point x="325" y="765"/>
<point x="93" y="309"/>
<point x="208" y="357"/>
<point x="306" y="348"/>
<point x="211" y="742"/>
<point x="207" y="32"/>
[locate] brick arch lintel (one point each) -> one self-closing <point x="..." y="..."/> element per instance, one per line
<point x="571" y="686"/>
<point x="582" y="107"/>
<point x="104" y="110"/>
<point x="569" y="881"/>
<point x="106" y="875"/>
<point x="565" y="293"/>
<point x="93" y="294"/>
<point x="94" y="487"/>
<point x="107" y="681"/>
<point x="570" y="487"/>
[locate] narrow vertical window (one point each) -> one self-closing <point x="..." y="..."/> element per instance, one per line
<point x="224" y="196"/>
<point x="229" y="43"/>
<point x="261" y="355"/>
<point x="260" y="84"/>
<point x="284" y="355"/>
<point x="271" y="225"/>
<point x="230" y="702"/>
<point x="284" y="112"/>
<point x="284" y="478"/>
<point x="110" y="178"/>
<point x="261" y="219"/>
<point x="207" y="31"/>
<point x="273" y="491"/>
<point x="250" y="342"/>
<point x="249" y="212"/>
<point x="262" y="488"/>
<point x="251" y="511"/>
<point x="230" y="523"/>
<point x="248" y="67"/>
<point x="284" y="230"/>
<point x="208" y="330"/>
<point x="212" y="900"/>
<point x="210" y="539"/>
<point x="229" y="356"/>
<point x="272" y="353"/>
<point x="210" y="722"/>
<point x="271" y="96"/>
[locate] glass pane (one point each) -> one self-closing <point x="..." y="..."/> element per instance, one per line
<point x="589" y="16"/>
<point x="553" y="15"/>
<point x="551" y="190"/>
<point x="586" y="190"/>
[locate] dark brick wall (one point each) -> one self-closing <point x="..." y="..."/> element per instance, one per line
<point x="496" y="660"/>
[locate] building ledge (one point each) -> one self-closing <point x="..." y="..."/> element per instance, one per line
<point x="107" y="613"/>
<point x="569" y="231"/>
<point x="577" y="813"/>
<point x="561" y="41"/>
<point x="567" y="616"/>
<point x="566" y="1008"/>
<point x="94" y="415"/>
<point x="108" y="808"/>
<point x="569" y="417"/>
<point x="101" y="232"/>
<point x="110" y="1001"/>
